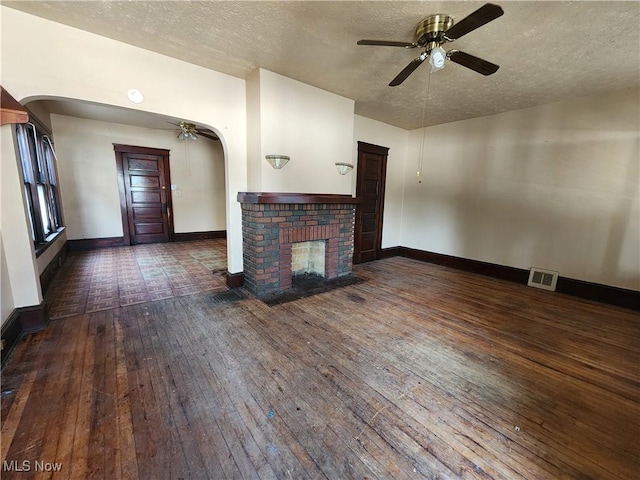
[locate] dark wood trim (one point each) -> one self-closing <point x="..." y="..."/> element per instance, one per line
<point x="33" y="318"/>
<point x="11" y="332"/>
<point x="299" y="198"/>
<point x="49" y="272"/>
<point x="21" y="322"/>
<point x="191" y="236"/>
<point x="390" y="252"/>
<point x="511" y="274"/>
<point x="126" y="237"/>
<point x="119" y="150"/>
<point x="371" y="148"/>
<point x="364" y="148"/>
<point x="620" y="297"/>
<point x="11" y="111"/>
<point x="161" y="152"/>
<point x="235" y="280"/>
<point x="95" y="243"/>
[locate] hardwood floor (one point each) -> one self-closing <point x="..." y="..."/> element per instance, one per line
<point x="94" y="280"/>
<point x="418" y="372"/>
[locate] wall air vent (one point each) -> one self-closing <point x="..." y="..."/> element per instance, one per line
<point x="545" y="279"/>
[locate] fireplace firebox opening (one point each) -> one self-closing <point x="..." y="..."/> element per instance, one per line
<point x="307" y="258"/>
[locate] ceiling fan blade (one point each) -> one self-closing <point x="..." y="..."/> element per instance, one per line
<point x="480" y="17"/>
<point x="387" y="43"/>
<point x="208" y="134"/>
<point x="408" y="70"/>
<point x="474" y="63"/>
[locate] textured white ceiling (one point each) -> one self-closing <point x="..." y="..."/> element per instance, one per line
<point x="547" y="51"/>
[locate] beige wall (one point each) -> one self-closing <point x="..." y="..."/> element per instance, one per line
<point x="6" y="299"/>
<point x="396" y="139"/>
<point x="88" y="177"/>
<point x="71" y="69"/>
<point x="19" y="262"/>
<point x="254" y="135"/>
<point x="312" y="126"/>
<point x="89" y="184"/>
<point x="554" y="186"/>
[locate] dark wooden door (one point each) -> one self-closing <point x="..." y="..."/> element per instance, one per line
<point x="145" y="194"/>
<point x="372" y="171"/>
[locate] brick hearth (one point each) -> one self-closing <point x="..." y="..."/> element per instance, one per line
<point x="272" y="222"/>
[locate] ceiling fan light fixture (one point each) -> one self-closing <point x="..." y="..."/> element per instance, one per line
<point x="187" y="131"/>
<point x="437" y="58"/>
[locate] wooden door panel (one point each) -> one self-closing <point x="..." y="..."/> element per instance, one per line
<point x="149" y="229"/>
<point x="372" y="167"/>
<point x="147" y="212"/>
<point x="147" y="163"/>
<point x="145" y="177"/>
<point x="368" y="225"/>
<point x="145" y="196"/>
<point x="368" y="208"/>
<point x="373" y="164"/>
<point x="371" y="187"/>
<point x="367" y="244"/>
<point x="144" y="181"/>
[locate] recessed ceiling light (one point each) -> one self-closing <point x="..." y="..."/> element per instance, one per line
<point x="135" y="95"/>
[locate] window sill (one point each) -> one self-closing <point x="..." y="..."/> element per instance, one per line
<point x="50" y="240"/>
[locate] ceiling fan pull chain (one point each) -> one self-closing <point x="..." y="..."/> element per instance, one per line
<point x="424" y="128"/>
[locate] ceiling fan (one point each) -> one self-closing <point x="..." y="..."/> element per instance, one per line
<point x="189" y="131"/>
<point x="436" y="30"/>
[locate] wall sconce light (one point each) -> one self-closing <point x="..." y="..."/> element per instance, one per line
<point x="277" y="161"/>
<point x="343" y="168"/>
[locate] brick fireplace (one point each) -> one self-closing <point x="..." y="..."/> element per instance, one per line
<point x="281" y="228"/>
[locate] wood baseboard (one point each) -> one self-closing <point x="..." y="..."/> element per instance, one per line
<point x="390" y="252"/>
<point x="191" y="236"/>
<point x="502" y="272"/>
<point x="11" y="332"/>
<point x="95" y="243"/>
<point x="21" y="322"/>
<point x="620" y="297"/>
<point x="235" y="280"/>
<point x="578" y="288"/>
<point x="47" y="275"/>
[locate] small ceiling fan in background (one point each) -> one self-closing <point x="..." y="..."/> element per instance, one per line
<point x="436" y="30"/>
<point x="189" y="131"/>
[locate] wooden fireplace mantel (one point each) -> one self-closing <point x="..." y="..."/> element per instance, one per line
<point x="297" y="198"/>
